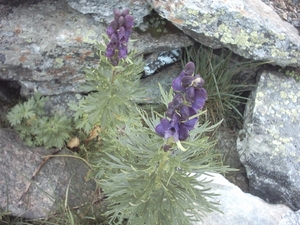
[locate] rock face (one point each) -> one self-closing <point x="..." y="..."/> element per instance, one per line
<point x="103" y="10"/>
<point x="249" y="28"/>
<point x="44" y="46"/>
<point x="48" y="188"/>
<point x="269" y="144"/>
<point x="241" y="208"/>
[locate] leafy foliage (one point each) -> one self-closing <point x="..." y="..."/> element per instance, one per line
<point x="151" y="186"/>
<point x="35" y="127"/>
<point x="113" y="91"/>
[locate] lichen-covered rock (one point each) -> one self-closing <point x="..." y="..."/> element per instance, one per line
<point x="59" y="179"/>
<point x="269" y="144"/>
<point x="102" y="10"/>
<point x="249" y="28"/>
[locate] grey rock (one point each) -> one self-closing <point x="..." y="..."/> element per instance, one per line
<point x="291" y="218"/>
<point x="45" y="46"/>
<point x="102" y="10"/>
<point x="239" y="207"/>
<point x="59" y="179"/>
<point x="249" y="28"/>
<point x="226" y="144"/>
<point x="269" y="144"/>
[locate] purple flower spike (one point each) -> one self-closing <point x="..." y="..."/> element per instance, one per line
<point x="189" y="98"/>
<point x="119" y="31"/>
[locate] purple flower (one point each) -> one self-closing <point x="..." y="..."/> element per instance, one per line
<point x="174" y="128"/>
<point x="119" y="31"/>
<point x="199" y="99"/>
<point x="122" y="51"/>
<point x="190" y="97"/>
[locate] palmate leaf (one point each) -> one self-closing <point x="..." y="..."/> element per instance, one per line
<point x="15" y="116"/>
<point x="55" y="131"/>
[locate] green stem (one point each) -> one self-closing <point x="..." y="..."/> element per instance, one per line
<point x="163" y="161"/>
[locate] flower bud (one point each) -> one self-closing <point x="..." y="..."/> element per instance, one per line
<point x="128" y="21"/>
<point x="117" y="14"/>
<point x="121" y="20"/>
<point x="125" y="12"/>
<point x="189" y="69"/>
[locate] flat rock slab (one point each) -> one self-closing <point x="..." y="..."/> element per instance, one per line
<point x="240" y="208"/>
<point x="269" y="144"/>
<point x="60" y="179"/>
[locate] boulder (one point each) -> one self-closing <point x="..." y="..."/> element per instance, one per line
<point x="240" y="208"/>
<point x="45" y="46"/>
<point x="30" y="192"/>
<point x="102" y="10"/>
<point x="269" y="144"/>
<point x="249" y="28"/>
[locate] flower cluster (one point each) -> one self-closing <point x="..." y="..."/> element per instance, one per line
<point x="189" y="98"/>
<point x="119" y="31"/>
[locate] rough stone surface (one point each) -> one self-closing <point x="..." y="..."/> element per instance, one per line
<point x="44" y="46"/>
<point x="269" y="144"/>
<point x="102" y="10"/>
<point x="290" y="218"/>
<point x="239" y="207"/>
<point x="249" y="28"/>
<point x="48" y="189"/>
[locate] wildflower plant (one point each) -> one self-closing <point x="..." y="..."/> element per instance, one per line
<point x="158" y="179"/>
<point x="113" y="86"/>
<point x="149" y="166"/>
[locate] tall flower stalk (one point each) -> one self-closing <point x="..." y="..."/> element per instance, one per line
<point x="113" y="86"/>
<point x="119" y="32"/>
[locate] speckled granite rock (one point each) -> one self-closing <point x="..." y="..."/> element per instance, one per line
<point x="48" y="189"/>
<point x="249" y="28"/>
<point x="45" y="46"/>
<point x="269" y="144"/>
<point x="240" y="208"/>
<point x="102" y="10"/>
